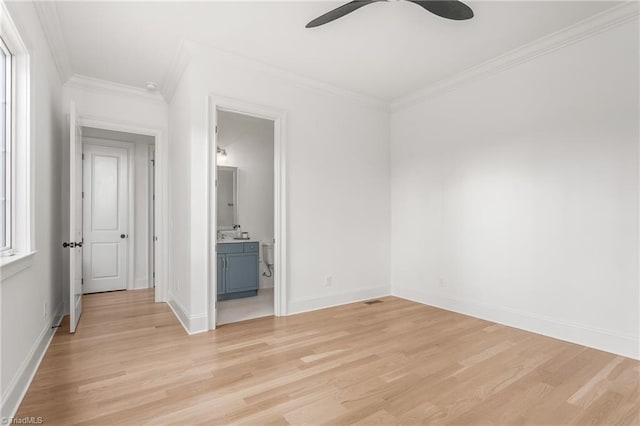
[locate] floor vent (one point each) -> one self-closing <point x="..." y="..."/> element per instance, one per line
<point x="372" y="302"/>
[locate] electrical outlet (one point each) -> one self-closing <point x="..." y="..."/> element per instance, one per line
<point x="328" y="281"/>
<point x="44" y="309"/>
<point x="442" y="282"/>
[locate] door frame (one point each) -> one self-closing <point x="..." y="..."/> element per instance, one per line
<point x="152" y="214"/>
<point x="279" y="118"/>
<point x="161" y="180"/>
<point x="130" y="267"/>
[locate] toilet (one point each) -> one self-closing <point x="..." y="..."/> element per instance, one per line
<point x="267" y="255"/>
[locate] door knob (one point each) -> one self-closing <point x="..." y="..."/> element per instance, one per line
<point x="123" y="236"/>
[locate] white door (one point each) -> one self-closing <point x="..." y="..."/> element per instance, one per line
<point x="75" y="220"/>
<point x="105" y="218"/>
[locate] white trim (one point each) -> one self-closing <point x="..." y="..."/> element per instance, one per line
<point x="179" y="312"/>
<point x="8" y="245"/>
<point x="151" y="211"/>
<point x="161" y="181"/>
<point x="605" y="340"/>
<point x="50" y="22"/>
<point x="279" y="118"/>
<point x="11" y="265"/>
<point x="97" y="85"/>
<point x="175" y="72"/>
<point x="295" y="79"/>
<point x="315" y="303"/>
<point x="131" y="212"/>
<point x="192" y="324"/>
<point x="638" y="159"/>
<point x="22" y="378"/>
<point x="586" y="28"/>
<point x="23" y="238"/>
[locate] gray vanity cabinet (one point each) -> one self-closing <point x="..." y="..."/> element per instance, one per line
<point x="237" y="270"/>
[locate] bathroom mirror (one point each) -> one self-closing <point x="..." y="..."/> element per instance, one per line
<point x="227" y="197"/>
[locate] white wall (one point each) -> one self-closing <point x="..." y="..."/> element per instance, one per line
<point x="25" y="328"/>
<point x="113" y="102"/>
<point x="337" y="181"/>
<point x="248" y="142"/>
<point x="179" y="295"/>
<point x="520" y="192"/>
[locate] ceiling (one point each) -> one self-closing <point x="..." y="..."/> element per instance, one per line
<point x="385" y="50"/>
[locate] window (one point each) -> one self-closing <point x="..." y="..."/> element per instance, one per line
<point x="16" y="213"/>
<point x="6" y="160"/>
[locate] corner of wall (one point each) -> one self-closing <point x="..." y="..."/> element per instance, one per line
<point x="605" y="340"/>
<point x="313" y="304"/>
<point x="192" y="324"/>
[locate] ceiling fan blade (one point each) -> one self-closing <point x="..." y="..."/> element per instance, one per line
<point x="450" y="9"/>
<point x="339" y="12"/>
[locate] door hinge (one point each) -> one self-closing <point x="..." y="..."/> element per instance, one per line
<point x="153" y="162"/>
<point x="81" y="281"/>
<point x="82" y="194"/>
<point x="83" y="156"/>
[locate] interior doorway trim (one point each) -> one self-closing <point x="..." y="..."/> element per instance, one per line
<point x="279" y="118"/>
<point x="161" y="181"/>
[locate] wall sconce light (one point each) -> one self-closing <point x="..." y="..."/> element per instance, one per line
<point x="221" y="152"/>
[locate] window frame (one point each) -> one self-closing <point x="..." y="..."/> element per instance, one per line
<point x="20" y="255"/>
<point x="9" y="247"/>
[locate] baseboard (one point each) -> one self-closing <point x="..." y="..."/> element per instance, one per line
<point x="313" y="304"/>
<point x="193" y="324"/>
<point x="22" y="379"/>
<point x="605" y="340"/>
<point x="198" y="324"/>
<point x="179" y="312"/>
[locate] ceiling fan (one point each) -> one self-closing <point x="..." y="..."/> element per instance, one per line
<point x="450" y="9"/>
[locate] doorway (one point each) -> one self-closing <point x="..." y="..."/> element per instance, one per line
<point x="72" y="233"/>
<point x="117" y="210"/>
<point x="247" y="212"/>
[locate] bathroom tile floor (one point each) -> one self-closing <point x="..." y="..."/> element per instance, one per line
<point x="230" y="311"/>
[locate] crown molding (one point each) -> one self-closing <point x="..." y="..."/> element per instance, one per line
<point x="582" y="30"/>
<point x="97" y="85"/>
<point x="176" y="70"/>
<point x="297" y="79"/>
<point x="50" y="22"/>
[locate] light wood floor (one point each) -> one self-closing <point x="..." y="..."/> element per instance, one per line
<point x="395" y="362"/>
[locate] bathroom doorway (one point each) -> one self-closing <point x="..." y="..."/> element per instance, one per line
<point x="246" y="215"/>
